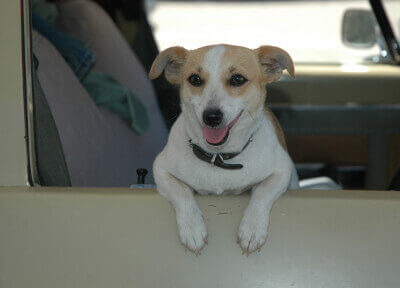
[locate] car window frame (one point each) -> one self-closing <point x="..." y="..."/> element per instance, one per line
<point x="27" y="74"/>
<point x="392" y="45"/>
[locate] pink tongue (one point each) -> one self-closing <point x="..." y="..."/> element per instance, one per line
<point x="215" y="135"/>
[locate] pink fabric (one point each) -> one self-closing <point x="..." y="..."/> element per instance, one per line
<point x="100" y="149"/>
<point x="87" y="21"/>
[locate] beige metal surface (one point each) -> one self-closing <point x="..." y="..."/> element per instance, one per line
<point x="121" y="238"/>
<point x="13" y="155"/>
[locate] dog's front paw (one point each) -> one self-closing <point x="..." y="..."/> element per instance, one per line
<point x="192" y="231"/>
<point x="252" y="231"/>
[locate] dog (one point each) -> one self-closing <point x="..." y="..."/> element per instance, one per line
<point x="225" y="141"/>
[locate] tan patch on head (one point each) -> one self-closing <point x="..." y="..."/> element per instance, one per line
<point x="243" y="61"/>
<point x="278" y="129"/>
<point x="235" y="60"/>
<point x="194" y="65"/>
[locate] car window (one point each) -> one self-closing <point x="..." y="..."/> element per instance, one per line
<point x="339" y="115"/>
<point x="287" y="24"/>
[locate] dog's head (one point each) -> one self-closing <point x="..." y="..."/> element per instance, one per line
<point x="222" y="87"/>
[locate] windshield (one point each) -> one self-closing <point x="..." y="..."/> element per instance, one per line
<point x="309" y="30"/>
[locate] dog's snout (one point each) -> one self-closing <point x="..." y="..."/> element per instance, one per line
<point x="212" y="117"/>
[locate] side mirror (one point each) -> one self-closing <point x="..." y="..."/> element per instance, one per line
<point x="359" y="28"/>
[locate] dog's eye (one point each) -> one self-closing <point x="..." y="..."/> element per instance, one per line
<point x="237" y="80"/>
<point x="195" y="80"/>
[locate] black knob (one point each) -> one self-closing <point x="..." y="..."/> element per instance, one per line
<point x="141" y="175"/>
<point x="212" y="117"/>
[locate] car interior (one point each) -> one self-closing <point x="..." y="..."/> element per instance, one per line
<point x="98" y="118"/>
<point x="81" y="124"/>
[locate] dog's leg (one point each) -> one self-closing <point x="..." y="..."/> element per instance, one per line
<point x="252" y="231"/>
<point x="192" y="230"/>
<point x="294" y="179"/>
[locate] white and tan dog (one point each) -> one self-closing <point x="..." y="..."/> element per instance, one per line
<point x="225" y="140"/>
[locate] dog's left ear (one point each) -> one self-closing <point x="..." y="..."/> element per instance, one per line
<point x="172" y="61"/>
<point x="273" y="61"/>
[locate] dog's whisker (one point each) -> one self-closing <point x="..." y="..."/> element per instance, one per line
<point x="251" y="115"/>
<point x="176" y="105"/>
<point x="172" y="118"/>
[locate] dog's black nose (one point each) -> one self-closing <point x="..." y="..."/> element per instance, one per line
<point x="212" y="117"/>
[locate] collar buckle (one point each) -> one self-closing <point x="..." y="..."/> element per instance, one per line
<point x="215" y="157"/>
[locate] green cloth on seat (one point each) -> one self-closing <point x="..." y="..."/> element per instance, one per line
<point x="104" y="90"/>
<point x="107" y="92"/>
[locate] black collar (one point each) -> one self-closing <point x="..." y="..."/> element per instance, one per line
<point x="218" y="159"/>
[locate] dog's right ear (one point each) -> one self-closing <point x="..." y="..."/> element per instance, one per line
<point x="171" y="60"/>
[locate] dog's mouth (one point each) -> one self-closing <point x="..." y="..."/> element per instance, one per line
<point x="218" y="136"/>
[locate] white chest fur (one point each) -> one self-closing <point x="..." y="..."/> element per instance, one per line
<point x="261" y="158"/>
